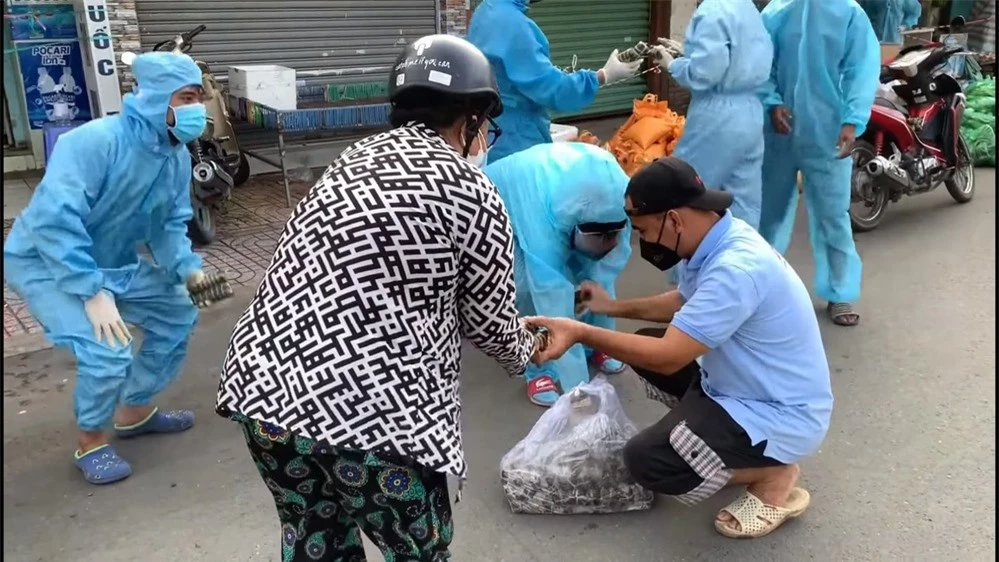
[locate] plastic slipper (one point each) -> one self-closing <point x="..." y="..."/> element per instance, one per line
<point x="842" y="314"/>
<point x="608" y="365"/>
<point x="757" y="519"/>
<point x="102" y="465"/>
<point x="172" y="421"/>
<point x="542" y="391"/>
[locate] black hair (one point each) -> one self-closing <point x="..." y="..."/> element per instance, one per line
<point x="437" y="110"/>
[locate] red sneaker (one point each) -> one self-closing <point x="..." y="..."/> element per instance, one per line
<point x="607" y="365"/>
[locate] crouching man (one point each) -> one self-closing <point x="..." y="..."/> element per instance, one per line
<point x="761" y="399"/>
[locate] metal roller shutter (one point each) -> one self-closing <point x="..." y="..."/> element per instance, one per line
<point x="343" y="41"/>
<point x="590" y="30"/>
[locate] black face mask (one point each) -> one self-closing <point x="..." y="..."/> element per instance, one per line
<point x="658" y="255"/>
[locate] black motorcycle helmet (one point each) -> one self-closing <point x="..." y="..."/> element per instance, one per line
<point x="440" y="79"/>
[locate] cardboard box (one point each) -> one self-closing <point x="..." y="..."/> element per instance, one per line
<point x="909" y="38"/>
<point x="267" y="84"/>
<point x="919" y="36"/>
<point x="889" y="52"/>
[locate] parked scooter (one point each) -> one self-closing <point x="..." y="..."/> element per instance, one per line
<point x="217" y="163"/>
<point x="913" y="142"/>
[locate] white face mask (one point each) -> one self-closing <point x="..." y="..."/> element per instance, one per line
<point x="479" y="160"/>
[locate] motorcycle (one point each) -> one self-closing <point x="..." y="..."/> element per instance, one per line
<point x="218" y="165"/>
<point x="913" y="141"/>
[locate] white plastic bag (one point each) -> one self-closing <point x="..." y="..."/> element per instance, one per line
<point x="572" y="460"/>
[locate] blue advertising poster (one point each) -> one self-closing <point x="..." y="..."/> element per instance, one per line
<point x="51" y="62"/>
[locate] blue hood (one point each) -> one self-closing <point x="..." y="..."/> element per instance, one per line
<point x="158" y="75"/>
<point x="550" y="188"/>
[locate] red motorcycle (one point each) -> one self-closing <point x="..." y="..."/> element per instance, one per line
<point x="913" y="142"/>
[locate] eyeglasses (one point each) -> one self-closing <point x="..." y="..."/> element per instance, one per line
<point x="493" y="133"/>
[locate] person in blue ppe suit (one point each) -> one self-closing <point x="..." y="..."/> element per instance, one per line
<point x="825" y="75"/>
<point x="891" y="17"/>
<point x="111" y="185"/>
<point x="726" y="58"/>
<point x="566" y="206"/>
<point x="530" y="85"/>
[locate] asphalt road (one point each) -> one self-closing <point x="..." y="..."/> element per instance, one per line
<point x="907" y="472"/>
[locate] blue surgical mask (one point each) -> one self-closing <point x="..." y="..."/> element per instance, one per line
<point x="189" y="121"/>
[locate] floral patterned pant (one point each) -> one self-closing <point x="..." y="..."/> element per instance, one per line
<point x="327" y="497"/>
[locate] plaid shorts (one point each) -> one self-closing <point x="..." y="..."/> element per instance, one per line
<point x="691" y="452"/>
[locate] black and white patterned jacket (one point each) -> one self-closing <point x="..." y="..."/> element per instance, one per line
<point x="353" y="337"/>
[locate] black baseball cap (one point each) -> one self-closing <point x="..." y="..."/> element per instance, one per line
<point x="670" y="183"/>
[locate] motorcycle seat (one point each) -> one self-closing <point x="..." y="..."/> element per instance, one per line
<point x="885" y="102"/>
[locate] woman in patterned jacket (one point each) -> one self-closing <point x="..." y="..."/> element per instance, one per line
<point x="343" y="371"/>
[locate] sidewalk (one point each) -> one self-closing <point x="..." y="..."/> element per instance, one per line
<point x="21" y="333"/>
<point x="248" y="232"/>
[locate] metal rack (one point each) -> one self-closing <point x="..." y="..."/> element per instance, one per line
<point x="315" y="115"/>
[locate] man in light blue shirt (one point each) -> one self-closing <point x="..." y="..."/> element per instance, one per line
<point x="761" y="399"/>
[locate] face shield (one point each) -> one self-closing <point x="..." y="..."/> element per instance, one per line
<point x="596" y="240"/>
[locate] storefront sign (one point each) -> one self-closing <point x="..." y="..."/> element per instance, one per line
<point x="104" y="72"/>
<point x="51" y="62"/>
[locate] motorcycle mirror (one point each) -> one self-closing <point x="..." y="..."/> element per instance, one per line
<point x="957" y="23"/>
<point x="127" y="58"/>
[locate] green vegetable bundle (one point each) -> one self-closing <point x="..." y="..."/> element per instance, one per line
<point x="979" y="125"/>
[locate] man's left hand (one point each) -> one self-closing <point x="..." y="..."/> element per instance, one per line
<point x="563" y="333"/>
<point x="847" y="136"/>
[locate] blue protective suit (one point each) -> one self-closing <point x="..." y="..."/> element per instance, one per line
<point x="530" y="86"/>
<point x="888" y="15"/>
<point x="826" y="69"/>
<point x="548" y="190"/>
<point x="727" y="59"/>
<point x="111" y="185"/>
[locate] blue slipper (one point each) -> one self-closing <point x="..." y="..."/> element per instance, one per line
<point x="171" y="421"/>
<point x="103" y="465"/>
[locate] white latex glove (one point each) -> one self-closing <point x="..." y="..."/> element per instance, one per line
<point x="660" y="55"/>
<point x="615" y="70"/>
<point x="673" y="47"/>
<point x="107" y="322"/>
<point x="196" y="278"/>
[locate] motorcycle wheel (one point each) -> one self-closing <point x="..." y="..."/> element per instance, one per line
<point x="201" y="227"/>
<point x="242" y="173"/>
<point x="961" y="185"/>
<point x="877" y="203"/>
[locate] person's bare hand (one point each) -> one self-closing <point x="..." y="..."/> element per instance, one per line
<point x="594" y="298"/>
<point x="847" y="137"/>
<point x="780" y="118"/>
<point x="563" y="333"/>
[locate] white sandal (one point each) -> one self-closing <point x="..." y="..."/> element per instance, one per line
<point x="757" y="519"/>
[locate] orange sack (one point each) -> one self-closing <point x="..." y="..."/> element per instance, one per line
<point x="651" y="132"/>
